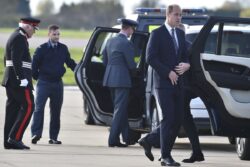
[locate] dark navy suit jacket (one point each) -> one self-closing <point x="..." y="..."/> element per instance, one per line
<point x="160" y="54"/>
<point x="48" y="63"/>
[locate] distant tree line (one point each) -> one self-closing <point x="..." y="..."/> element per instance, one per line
<point x="86" y="15"/>
<point x="12" y="10"/>
<point x="89" y="14"/>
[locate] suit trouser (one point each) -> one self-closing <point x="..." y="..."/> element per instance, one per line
<point x="45" y="90"/>
<point x="171" y="104"/>
<point x="19" y="109"/>
<point x="188" y="123"/>
<point x="120" y="116"/>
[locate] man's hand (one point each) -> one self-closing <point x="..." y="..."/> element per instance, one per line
<point x="181" y="68"/>
<point x="173" y="77"/>
<point x="24" y="82"/>
<point x="76" y="67"/>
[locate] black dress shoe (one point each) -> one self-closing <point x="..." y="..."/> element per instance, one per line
<point x="194" y="158"/>
<point x="34" y="139"/>
<point x="118" y="145"/>
<point x="131" y="143"/>
<point x="8" y="146"/>
<point x="169" y="162"/>
<point x="17" y="144"/>
<point x="52" y="141"/>
<point x="147" y="148"/>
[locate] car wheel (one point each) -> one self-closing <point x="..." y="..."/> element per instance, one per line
<point x="243" y="148"/>
<point x="232" y="140"/>
<point x="89" y="118"/>
<point x="154" y="117"/>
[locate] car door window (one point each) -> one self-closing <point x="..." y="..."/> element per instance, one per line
<point x="139" y="40"/>
<point x="235" y="40"/>
<point x="211" y="41"/>
<point x="99" y="46"/>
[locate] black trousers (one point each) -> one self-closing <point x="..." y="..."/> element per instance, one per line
<point x="171" y="105"/>
<point x="188" y="122"/>
<point x="19" y="109"/>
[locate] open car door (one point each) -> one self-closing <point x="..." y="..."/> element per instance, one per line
<point x="220" y="67"/>
<point x="89" y="77"/>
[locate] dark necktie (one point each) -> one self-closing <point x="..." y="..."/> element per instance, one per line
<point x="174" y="40"/>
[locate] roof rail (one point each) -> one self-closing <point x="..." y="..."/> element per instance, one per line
<point x="163" y="10"/>
<point x="149" y="10"/>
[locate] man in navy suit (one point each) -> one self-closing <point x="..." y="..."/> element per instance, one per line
<point x="118" y="57"/>
<point x="167" y="54"/>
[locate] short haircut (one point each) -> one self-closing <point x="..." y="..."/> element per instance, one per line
<point x="53" y="27"/>
<point x="170" y="8"/>
<point x="124" y="26"/>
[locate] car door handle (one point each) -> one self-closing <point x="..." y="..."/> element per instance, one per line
<point x="245" y="72"/>
<point x="235" y="71"/>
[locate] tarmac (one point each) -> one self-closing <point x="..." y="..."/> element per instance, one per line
<point x="86" y="146"/>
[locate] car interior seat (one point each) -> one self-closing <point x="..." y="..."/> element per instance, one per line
<point x="231" y="51"/>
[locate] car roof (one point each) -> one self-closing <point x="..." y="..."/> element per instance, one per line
<point x="191" y="29"/>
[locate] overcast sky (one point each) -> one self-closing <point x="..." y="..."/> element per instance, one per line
<point x="128" y="4"/>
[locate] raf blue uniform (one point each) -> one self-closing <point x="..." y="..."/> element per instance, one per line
<point x="48" y="69"/>
<point x="163" y="58"/>
<point x="118" y="57"/>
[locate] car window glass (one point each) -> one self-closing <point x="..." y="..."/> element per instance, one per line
<point x="235" y="40"/>
<point x="150" y="28"/>
<point x="140" y="43"/>
<point x="211" y="41"/>
<point x="99" y="46"/>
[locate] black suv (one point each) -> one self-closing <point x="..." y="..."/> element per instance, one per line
<point x="222" y="80"/>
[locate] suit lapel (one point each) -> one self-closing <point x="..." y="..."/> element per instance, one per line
<point x="170" y="38"/>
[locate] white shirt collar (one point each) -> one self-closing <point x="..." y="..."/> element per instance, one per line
<point x="169" y="28"/>
<point x="22" y="33"/>
<point x="52" y="44"/>
<point x="121" y="32"/>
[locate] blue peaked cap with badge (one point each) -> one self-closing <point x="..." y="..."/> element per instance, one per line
<point x="127" y="22"/>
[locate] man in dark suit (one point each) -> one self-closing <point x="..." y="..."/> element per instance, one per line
<point x="167" y="55"/>
<point x="17" y="81"/>
<point x="118" y="57"/>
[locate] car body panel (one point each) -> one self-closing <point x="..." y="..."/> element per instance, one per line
<point x="97" y="107"/>
<point x="90" y="74"/>
<point x="223" y="82"/>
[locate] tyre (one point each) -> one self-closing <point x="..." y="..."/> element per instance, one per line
<point x="243" y="148"/>
<point x="154" y="117"/>
<point x="155" y="122"/>
<point x="89" y="118"/>
<point x="232" y="140"/>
